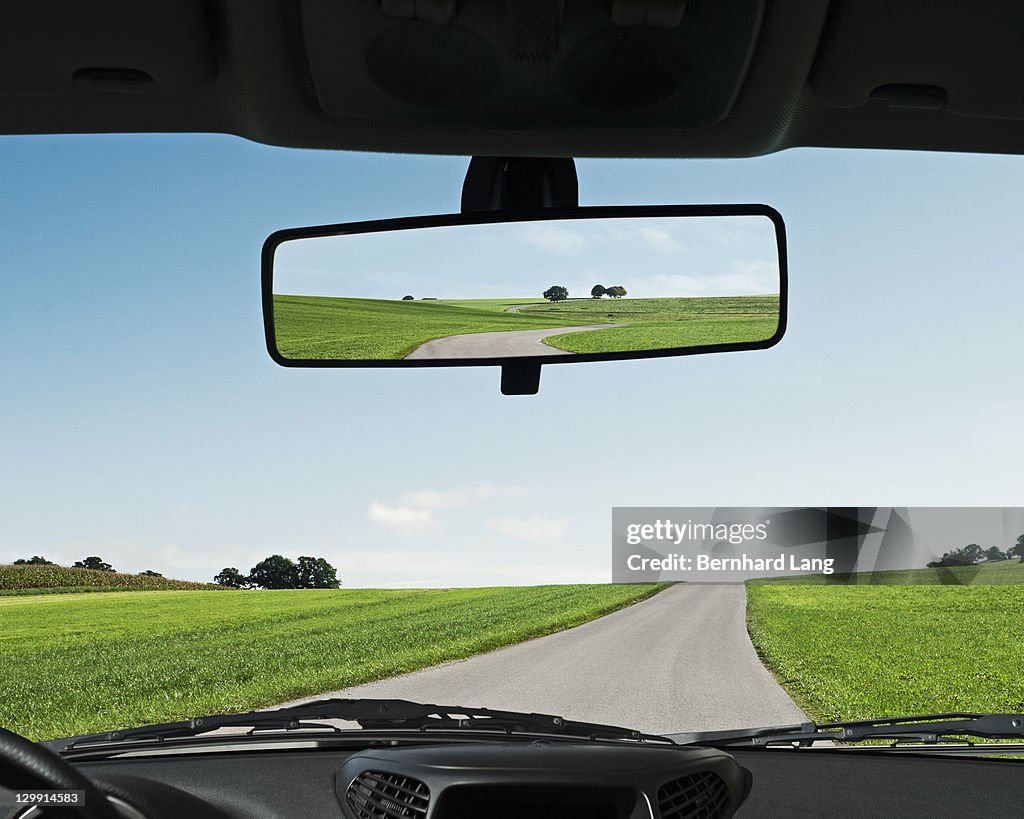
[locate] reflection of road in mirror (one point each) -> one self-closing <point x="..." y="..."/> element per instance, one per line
<point x="509" y="344"/>
<point x="327" y="327"/>
<point x="553" y="289"/>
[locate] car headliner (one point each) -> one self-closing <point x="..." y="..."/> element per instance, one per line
<point x="326" y="74"/>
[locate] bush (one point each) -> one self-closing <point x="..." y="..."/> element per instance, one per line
<point x="95" y="563"/>
<point x="279" y="572"/>
<point x="231" y="578"/>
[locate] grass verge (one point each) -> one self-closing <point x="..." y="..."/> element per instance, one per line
<point x="860" y="651"/>
<point x="75" y="664"/>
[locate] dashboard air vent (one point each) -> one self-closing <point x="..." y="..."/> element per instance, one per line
<point x="699" y="796"/>
<point x="377" y="795"/>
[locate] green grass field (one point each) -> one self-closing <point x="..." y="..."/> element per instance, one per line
<point x="495" y="305"/>
<point x="82" y="663"/>
<point x="656" y="324"/>
<point x="316" y="327"/>
<point x="35" y="579"/>
<point x="999" y="573"/>
<point x="895" y="648"/>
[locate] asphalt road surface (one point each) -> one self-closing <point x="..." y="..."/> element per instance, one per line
<point x="679" y="661"/>
<point x="507" y="344"/>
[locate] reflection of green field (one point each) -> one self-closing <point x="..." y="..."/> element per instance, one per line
<point x="497" y="305"/>
<point x="656" y="324"/>
<point x="318" y="327"/>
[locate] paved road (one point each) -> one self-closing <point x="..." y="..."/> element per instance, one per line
<point x="507" y="344"/>
<point x="679" y="661"/>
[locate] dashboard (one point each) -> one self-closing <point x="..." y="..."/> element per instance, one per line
<point x="541" y="780"/>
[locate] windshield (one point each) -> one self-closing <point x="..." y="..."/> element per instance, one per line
<point x="149" y="438"/>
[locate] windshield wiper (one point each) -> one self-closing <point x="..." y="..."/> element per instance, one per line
<point x="370" y="714"/>
<point x="924" y="728"/>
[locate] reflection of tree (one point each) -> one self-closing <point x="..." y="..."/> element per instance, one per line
<point x="1017" y="550"/>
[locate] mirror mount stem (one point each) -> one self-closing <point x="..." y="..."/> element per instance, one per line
<point x="519" y="184"/>
<point x="520" y="379"/>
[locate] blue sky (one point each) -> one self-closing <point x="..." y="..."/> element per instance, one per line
<point x="657" y="256"/>
<point x="144" y="422"/>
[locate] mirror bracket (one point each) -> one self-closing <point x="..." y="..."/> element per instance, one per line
<point x="520" y="379"/>
<point x="519" y="184"/>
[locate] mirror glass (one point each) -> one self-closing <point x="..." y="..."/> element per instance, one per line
<point x="557" y="289"/>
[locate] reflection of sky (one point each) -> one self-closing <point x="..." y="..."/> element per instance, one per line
<point x="650" y="257"/>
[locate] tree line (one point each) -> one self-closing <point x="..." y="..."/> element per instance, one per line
<point x="279" y="572"/>
<point x="559" y="293"/>
<point x="972" y="554"/>
<point x="274" y="572"/>
<point x="93" y="562"/>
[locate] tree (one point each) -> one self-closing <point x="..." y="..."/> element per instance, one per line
<point x="597" y="291"/>
<point x="275" y="572"/>
<point x="93" y="562"/>
<point x="972" y="552"/>
<point x="35" y="560"/>
<point x="232" y="578"/>
<point x="150" y="573"/>
<point x="316" y="573"/>
<point x="556" y="293"/>
<point x="616" y="292"/>
<point x="1017" y="550"/>
<point x="995" y="553"/>
<point x="406" y="298"/>
<point x="965" y="556"/>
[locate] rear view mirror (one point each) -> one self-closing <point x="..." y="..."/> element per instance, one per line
<point x="525" y="289"/>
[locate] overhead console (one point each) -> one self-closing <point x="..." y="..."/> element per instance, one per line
<point x="537" y="78"/>
<point x="64" y="46"/>
<point x="966" y="60"/>
<point x="523" y="63"/>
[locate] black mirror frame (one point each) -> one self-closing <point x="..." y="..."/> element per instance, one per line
<point x="492" y="217"/>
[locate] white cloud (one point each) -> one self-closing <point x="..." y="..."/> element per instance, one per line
<point x="558" y="239"/>
<point x="405" y="568"/>
<point x="531" y="528"/>
<point x="415" y="511"/>
<point x="661" y="240"/>
<point x="405" y="519"/>
<point x="743" y="278"/>
<point x="757" y="268"/>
